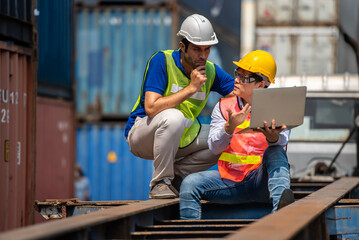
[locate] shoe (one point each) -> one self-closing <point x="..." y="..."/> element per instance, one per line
<point x="286" y="198"/>
<point x="161" y="191"/>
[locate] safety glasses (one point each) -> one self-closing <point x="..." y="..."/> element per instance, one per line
<point x="247" y="79"/>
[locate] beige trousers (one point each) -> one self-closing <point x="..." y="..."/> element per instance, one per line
<point x="158" y="139"/>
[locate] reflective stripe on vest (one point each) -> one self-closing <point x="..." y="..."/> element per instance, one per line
<point x="244" y="125"/>
<point x="234" y="158"/>
<point x="198" y="95"/>
<point x="245" y="152"/>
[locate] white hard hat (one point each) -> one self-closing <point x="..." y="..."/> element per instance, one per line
<point x="198" y="30"/>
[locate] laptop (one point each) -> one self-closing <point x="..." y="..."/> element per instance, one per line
<point x="286" y="105"/>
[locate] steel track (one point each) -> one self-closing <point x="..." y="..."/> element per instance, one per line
<point x="321" y="211"/>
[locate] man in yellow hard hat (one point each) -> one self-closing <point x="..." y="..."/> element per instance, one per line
<point x="163" y="124"/>
<point x="252" y="167"/>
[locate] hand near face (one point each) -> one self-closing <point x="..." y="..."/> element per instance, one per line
<point x="271" y="133"/>
<point x="198" y="77"/>
<point x="235" y="119"/>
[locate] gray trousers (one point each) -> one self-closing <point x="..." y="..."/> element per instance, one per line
<point x="158" y="139"/>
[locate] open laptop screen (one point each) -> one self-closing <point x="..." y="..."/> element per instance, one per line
<point x="285" y="105"/>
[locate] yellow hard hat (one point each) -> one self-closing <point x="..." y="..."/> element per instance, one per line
<point x="259" y="62"/>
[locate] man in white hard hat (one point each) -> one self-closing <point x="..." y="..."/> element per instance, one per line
<point x="163" y="124"/>
<point x="252" y="167"/>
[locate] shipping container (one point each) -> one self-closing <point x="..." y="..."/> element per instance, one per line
<point x="55" y="36"/>
<point x="318" y="12"/>
<point x="125" y="2"/>
<point x="55" y="149"/>
<point x="113" y="171"/>
<point x="112" y="48"/>
<point x="274" y="12"/>
<point x="16" y="21"/>
<point x="332" y="106"/>
<point x="17" y="125"/>
<point x="297" y="13"/>
<point x="300" y="50"/>
<point x="349" y="22"/>
<point x="225" y="17"/>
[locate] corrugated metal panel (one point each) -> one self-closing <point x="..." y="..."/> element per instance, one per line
<point x="317" y="12"/>
<point x="280" y="45"/>
<point x="316" y="55"/>
<point x="332" y="85"/>
<point x="112" y="49"/>
<point x="298" y="12"/>
<point x="15" y="18"/>
<point x="97" y="2"/>
<point x="20" y="9"/>
<point x="349" y="21"/>
<point x="55" y="149"/>
<point x="274" y="12"/>
<point x="300" y="50"/>
<point x="55" y="47"/>
<point x="222" y="14"/>
<point x="225" y="17"/>
<point x="16" y="124"/>
<point x="114" y="172"/>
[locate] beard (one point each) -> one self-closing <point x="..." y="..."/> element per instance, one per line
<point x="193" y="63"/>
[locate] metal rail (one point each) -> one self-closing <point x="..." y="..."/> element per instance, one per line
<point x="108" y="223"/>
<point x="304" y="219"/>
<point x="326" y="211"/>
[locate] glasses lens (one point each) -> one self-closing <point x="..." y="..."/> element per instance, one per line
<point x="236" y="74"/>
<point x="246" y="79"/>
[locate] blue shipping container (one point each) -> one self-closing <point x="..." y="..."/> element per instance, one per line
<point x="112" y="48"/>
<point x="114" y="172"/>
<point x="55" y="33"/>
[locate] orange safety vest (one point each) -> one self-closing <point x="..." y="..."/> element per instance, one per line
<point x="245" y="152"/>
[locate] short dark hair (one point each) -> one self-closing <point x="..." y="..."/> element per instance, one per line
<point x="258" y="78"/>
<point x="186" y="43"/>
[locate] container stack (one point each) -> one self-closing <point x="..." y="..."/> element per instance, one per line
<point x="113" y="42"/>
<point x="302" y="35"/>
<point x="18" y="63"/>
<point x="55" y="108"/>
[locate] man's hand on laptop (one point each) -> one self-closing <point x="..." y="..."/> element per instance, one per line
<point x="271" y="133"/>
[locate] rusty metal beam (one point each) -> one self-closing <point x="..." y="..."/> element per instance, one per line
<point x="294" y="220"/>
<point x="180" y="234"/>
<point x="207" y="221"/>
<point x="304" y="219"/>
<point x="309" y="184"/>
<point x="72" y="225"/>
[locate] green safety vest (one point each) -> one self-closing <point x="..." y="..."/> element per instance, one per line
<point x="192" y="106"/>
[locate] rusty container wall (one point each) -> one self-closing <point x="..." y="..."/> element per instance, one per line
<point x="55" y="150"/>
<point x="17" y="91"/>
